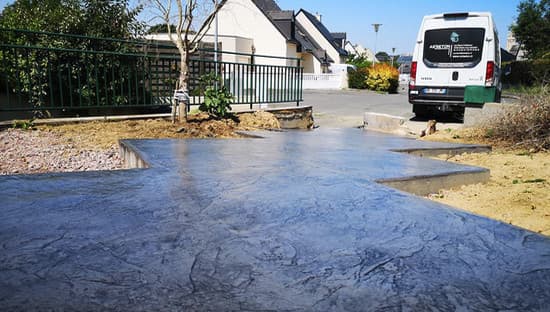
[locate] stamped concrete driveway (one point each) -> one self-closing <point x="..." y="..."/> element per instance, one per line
<point x="300" y="225"/>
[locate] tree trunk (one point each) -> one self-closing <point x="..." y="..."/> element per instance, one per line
<point x="183" y="84"/>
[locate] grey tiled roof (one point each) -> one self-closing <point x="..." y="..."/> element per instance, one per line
<point x="309" y="45"/>
<point x="285" y="22"/>
<point x="324" y="31"/>
<point x="338" y="35"/>
<point x="267" y="5"/>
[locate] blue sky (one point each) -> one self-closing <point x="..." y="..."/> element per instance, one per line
<point x="400" y="18"/>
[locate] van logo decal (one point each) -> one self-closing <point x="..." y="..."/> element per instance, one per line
<point x="455" y="37"/>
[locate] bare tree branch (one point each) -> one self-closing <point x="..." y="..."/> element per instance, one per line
<point x="186" y="41"/>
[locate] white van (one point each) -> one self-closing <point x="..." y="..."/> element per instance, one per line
<point x="456" y="63"/>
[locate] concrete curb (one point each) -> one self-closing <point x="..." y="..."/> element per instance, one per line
<point x="55" y="121"/>
<point x="131" y="156"/>
<point x="382" y="122"/>
<point x="429" y="184"/>
<point x="295" y="117"/>
<point x="424" y="185"/>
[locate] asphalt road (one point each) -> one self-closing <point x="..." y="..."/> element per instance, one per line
<point x="346" y="108"/>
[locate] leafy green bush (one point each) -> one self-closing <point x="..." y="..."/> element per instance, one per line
<point x="358" y="79"/>
<point x="527" y="73"/>
<point x="359" y="61"/>
<point x="217" y="99"/>
<point x="383" y="77"/>
<point x="40" y="76"/>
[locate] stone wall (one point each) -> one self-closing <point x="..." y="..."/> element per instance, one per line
<point x="294" y="117"/>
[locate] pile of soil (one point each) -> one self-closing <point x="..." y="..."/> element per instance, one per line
<point x="104" y="134"/>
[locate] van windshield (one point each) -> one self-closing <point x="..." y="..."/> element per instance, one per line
<point x="453" y="47"/>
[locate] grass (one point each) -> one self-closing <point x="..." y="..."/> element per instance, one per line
<point x="525" y="90"/>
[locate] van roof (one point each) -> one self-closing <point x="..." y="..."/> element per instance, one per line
<point x="469" y="14"/>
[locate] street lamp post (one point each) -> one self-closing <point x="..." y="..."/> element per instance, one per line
<point x="216" y="38"/>
<point x="392" y="55"/>
<point x="376" y="28"/>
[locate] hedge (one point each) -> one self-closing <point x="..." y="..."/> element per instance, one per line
<point x="527" y="73"/>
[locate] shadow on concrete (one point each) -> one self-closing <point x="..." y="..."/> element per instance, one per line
<point x="443" y="117"/>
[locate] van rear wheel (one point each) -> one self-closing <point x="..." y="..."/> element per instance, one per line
<point x="421" y="111"/>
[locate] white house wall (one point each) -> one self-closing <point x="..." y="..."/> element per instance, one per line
<point x="242" y="18"/>
<point x="310" y="64"/>
<point x="307" y="63"/>
<point x="291" y="52"/>
<point x="319" y="38"/>
<point x="228" y="43"/>
<point x="317" y="66"/>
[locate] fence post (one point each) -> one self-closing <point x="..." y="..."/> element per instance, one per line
<point x="300" y="78"/>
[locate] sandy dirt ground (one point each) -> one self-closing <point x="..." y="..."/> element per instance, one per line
<point x="518" y="192"/>
<point x="101" y="134"/>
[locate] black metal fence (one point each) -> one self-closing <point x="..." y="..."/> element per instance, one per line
<point x="51" y="72"/>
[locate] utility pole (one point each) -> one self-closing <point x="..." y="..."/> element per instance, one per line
<point x="392" y="55"/>
<point x="376" y="28"/>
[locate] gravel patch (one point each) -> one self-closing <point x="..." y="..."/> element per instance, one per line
<point x="37" y="151"/>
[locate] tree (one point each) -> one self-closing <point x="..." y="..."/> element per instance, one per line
<point x="382" y="57"/>
<point x="532" y="27"/>
<point x="160" y="28"/>
<point x="360" y="61"/>
<point x="97" y="18"/>
<point x="192" y="19"/>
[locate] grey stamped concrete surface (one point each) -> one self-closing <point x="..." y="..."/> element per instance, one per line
<point x="291" y="222"/>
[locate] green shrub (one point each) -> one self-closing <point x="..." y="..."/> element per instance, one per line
<point x="383" y="77"/>
<point x="358" y="79"/>
<point x="359" y="61"/>
<point x="528" y="73"/>
<point x="23" y="124"/>
<point x="217" y="99"/>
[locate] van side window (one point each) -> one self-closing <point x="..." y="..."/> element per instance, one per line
<point x="453" y="47"/>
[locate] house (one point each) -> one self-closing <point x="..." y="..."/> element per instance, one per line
<point x="359" y="50"/>
<point x="263" y="28"/>
<point x="326" y="48"/>
<point x="514" y="47"/>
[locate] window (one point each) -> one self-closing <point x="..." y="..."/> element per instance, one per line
<point x="453" y="47"/>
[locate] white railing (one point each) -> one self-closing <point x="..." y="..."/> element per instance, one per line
<point x="325" y="81"/>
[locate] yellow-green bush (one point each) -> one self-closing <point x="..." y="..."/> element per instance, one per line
<point x="383" y="77"/>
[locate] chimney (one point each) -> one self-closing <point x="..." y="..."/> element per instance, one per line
<point x="318" y="16"/>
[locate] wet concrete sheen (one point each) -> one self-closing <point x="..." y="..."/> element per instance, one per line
<point x="291" y="222"/>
